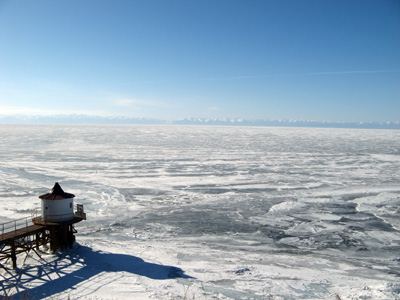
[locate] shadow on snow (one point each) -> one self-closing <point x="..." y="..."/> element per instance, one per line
<point x="80" y="266"/>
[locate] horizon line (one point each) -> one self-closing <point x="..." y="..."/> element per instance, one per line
<point x="98" y="119"/>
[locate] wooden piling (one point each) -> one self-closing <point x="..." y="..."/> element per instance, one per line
<point x="37" y="240"/>
<point x="13" y="254"/>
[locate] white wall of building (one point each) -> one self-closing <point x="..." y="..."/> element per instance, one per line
<point x="58" y="210"/>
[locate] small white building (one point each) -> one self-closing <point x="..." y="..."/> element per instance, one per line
<point x="57" y="206"/>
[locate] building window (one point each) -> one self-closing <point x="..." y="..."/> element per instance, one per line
<point x="70" y="205"/>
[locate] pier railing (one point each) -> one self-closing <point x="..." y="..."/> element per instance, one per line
<point x="13" y="226"/>
<point x="23" y="224"/>
<point x="80" y="211"/>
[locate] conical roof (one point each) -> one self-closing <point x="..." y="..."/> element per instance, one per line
<point x="57" y="193"/>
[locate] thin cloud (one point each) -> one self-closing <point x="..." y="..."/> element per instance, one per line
<point x="131" y="102"/>
<point x="336" y="73"/>
<point x="137" y="103"/>
<point x="299" y="74"/>
<point x="228" y="78"/>
<point x="124" y="102"/>
<point x="32" y="111"/>
<point x="354" y="72"/>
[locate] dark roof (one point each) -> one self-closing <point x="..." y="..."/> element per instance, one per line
<point x="57" y="193"/>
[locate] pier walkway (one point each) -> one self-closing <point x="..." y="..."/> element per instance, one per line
<point x="28" y="234"/>
<point x="17" y="229"/>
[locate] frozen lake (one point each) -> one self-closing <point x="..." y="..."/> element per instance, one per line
<point x="214" y="212"/>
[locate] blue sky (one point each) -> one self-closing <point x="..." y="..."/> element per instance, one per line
<point x="313" y="59"/>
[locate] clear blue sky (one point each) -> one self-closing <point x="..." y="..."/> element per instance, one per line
<point x="273" y="59"/>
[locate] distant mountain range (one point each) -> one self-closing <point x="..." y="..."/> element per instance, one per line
<point x="87" y="119"/>
<point x="287" y="123"/>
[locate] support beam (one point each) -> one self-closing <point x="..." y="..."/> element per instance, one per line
<point x="13" y="255"/>
<point x="37" y="240"/>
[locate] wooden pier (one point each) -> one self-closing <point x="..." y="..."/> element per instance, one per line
<point x="28" y="234"/>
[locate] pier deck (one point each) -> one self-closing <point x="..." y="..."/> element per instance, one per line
<point x="24" y="235"/>
<point x="19" y="233"/>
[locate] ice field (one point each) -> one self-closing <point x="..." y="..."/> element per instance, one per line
<point x="191" y="212"/>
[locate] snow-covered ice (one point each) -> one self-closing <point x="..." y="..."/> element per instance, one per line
<point x="186" y="212"/>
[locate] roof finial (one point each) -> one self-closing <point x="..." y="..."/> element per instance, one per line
<point x="57" y="193"/>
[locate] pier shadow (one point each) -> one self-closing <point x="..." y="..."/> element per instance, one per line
<point x="76" y="267"/>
